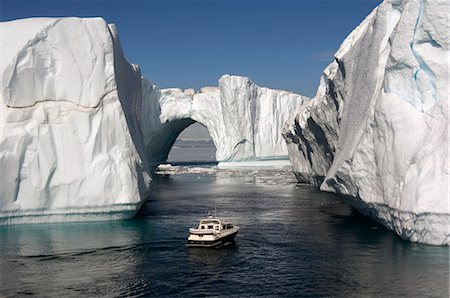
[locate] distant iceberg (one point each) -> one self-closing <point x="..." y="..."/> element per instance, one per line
<point x="244" y="120"/>
<point x="377" y="130"/>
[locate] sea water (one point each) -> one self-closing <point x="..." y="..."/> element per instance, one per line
<point x="294" y="241"/>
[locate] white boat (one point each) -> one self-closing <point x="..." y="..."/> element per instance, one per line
<point x="212" y="232"/>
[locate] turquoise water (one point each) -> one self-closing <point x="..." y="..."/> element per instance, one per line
<point x="294" y="241"/>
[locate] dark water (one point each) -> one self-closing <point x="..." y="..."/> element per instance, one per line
<point x="294" y="241"/>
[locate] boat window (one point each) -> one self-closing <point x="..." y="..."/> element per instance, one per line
<point x="223" y="227"/>
<point x="202" y="227"/>
<point x="217" y="228"/>
<point x="210" y="227"/>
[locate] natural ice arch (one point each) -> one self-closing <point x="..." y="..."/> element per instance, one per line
<point x="244" y="120"/>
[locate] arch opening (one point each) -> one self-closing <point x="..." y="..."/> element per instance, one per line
<point x="193" y="145"/>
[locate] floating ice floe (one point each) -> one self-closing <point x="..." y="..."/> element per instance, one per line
<point x="268" y="176"/>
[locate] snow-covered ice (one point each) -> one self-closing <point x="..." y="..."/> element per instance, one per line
<point x="244" y="120"/>
<point x="377" y="130"/>
<point x="70" y="142"/>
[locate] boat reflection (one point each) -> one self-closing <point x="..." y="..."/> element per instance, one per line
<point x="213" y="257"/>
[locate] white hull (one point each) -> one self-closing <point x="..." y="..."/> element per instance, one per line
<point x="212" y="240"/>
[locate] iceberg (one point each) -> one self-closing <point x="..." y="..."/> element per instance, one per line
<point x="376" y="132"/>
<point x="70" y="142"/>
<point x="244" y="120"/>
<point x="80" y="127"/>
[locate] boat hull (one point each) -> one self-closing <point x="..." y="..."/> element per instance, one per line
<point x="218" y="242"/>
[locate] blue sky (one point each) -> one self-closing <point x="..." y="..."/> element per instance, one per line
<point x="279" y="44"/>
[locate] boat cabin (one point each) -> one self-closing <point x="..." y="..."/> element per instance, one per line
<point x="214" y="224"/>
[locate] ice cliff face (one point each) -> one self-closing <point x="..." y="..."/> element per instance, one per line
<point x="244" y="120"/>
<point x="377" y="130"/>
<point x="71" y="147"/>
